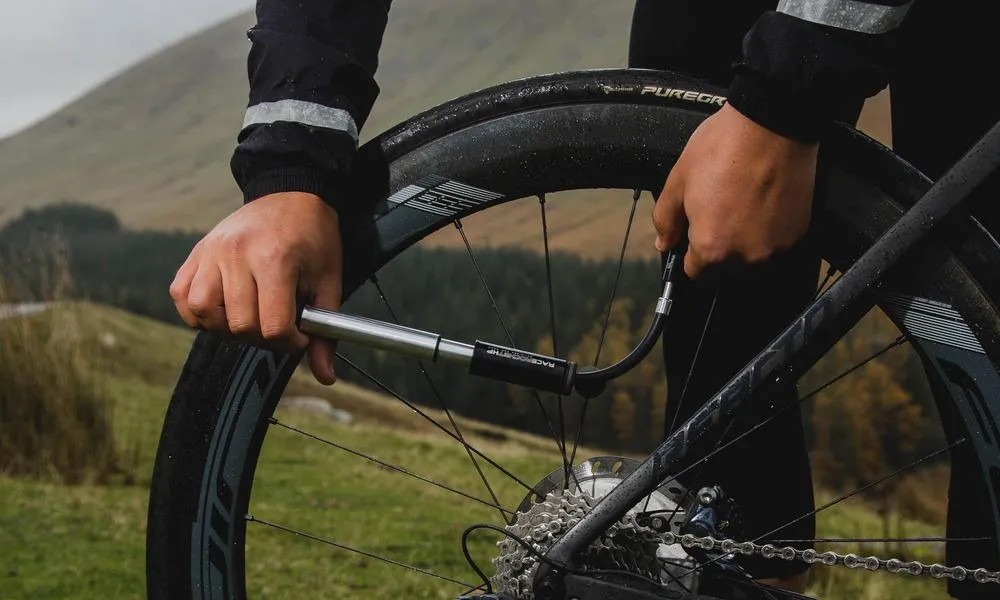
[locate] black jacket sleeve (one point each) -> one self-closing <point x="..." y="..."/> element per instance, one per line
<point x="311" y="68"/>
<point x="805" y="64"/>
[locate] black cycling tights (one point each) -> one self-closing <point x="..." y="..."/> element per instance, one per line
<point x="939" y="109"/>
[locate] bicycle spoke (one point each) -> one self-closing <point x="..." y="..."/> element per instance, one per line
<point x="607" y="317"/>
<point x="679" y="582"/>
<point x="431" y="420"/>
<point x="684" y="388"/>
<point x="579" y="429"/>
<point x="900" y="340"/>
<point x="510" y="340"/>
<point x="618" y="273"/>
<point x="907" y="540"/>
<point x="398" y="469"/>
<point x="444" y="405"/>
<point x="841" y="498"/>
<point x="479" y="588"/>
<point x="567" y="464"/>
<point x="867" y="486"/>
<point x="694" y="360"/>
<point x="675" y="563"/>
<point x="766" y="590"/>
<point x="719" y="448"/>
<point x="252" y="519"/>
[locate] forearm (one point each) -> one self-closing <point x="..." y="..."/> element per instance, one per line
<point x="807" y="63"/>
<point x="311" y="71"/>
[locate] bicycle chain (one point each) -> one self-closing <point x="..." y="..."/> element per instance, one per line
<point x="830" y="558"/>
<point x="625" y="546"/>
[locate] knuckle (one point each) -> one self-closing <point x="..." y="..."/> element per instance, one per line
<point x="234" y="247"/>
<point x="242" y="326"/>
<point x="275" y="330"/>
<point x="199" y="306"/>
<point x="200" y="312"/>
<point x="713" y="249"/>
<point x="176" y="291"/>
<point x="271" y="254"/>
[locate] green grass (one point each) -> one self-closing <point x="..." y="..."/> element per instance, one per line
<point x="854" y="519"/>
<point x="52" y="404"/>
<point x="71" y="542"/>
<point x="88" y="541"/>
<point x="306" y="485"/>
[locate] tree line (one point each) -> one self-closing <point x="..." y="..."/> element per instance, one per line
<point x="869" y="423"/>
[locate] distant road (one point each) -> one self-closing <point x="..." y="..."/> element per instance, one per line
<point x="19" y="310"/>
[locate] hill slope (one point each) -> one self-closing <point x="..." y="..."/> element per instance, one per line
<point x="87" y="542"/>
<point x="153" y="143"/>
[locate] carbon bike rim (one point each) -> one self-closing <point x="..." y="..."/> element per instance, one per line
<point x="945" y="336"/>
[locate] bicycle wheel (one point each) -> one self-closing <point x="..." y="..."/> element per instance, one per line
<point x="584" y="130"/>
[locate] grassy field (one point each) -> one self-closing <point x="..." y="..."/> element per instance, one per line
<point x="88" y="541"/>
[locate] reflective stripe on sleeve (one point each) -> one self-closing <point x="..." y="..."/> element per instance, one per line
<point x="300" y="111"/>
<point x="854" y="15"/>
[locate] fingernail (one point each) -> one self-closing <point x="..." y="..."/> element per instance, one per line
<point x="659" y="244"/>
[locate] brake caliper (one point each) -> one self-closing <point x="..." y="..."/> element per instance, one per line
<point x="715" y="515"/>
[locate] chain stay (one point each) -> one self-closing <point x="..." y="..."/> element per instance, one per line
<point x="830" y="558"/>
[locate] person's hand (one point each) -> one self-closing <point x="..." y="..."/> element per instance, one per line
<point x="244" y="276"/>
<point x="742" y="192"/>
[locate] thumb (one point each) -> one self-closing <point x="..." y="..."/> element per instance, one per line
<point x="669" y="219"/>
<point x="322" y="351"/>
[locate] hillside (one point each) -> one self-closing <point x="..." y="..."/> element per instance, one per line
<point x="153" y="143"/>
<point x="143" y="357"/>
<point x="86" y="542"/>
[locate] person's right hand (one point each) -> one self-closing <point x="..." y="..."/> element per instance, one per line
<point x="739" y="192"/>
<point x="244" y="276"/>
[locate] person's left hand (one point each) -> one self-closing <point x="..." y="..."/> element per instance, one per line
<point x="742" y="192"/>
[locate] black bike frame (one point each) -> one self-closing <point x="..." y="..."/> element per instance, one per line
<point x="796" y="349"/>
<point x="788" y="356"/>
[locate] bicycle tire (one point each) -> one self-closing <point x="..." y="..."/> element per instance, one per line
<point x="546" y="134"/>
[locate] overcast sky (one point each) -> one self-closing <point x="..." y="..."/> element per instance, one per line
<point x="52" y="51"/>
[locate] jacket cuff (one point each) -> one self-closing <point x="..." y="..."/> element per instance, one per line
<point x="292" y="179"/>
<point x="777" y="107"/>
